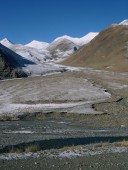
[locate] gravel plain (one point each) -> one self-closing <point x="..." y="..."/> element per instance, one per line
<point x="94" y="115"/>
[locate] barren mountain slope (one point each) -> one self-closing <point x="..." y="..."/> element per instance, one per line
<point x="108" y="50"/>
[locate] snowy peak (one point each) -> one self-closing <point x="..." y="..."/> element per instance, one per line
<point x="6" y="42"/>
<point x="78" y="41"/>
<point x="62" y="38"/>
<point x="65" y="45"/>
<point x="38" y="45"/>
<point x="125" y="22"/>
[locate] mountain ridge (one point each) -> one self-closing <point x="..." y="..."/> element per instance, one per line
<point x="108" y="51"/>
<point x="60" y="48"/>
<point x="37" y="44"/>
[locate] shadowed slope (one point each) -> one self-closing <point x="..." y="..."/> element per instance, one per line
<point x="11" y="63"/>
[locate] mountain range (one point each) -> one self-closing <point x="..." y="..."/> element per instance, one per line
<point x="37" y="51"/>
<point x="106" y="50"/>
<point x="41" y="55"/>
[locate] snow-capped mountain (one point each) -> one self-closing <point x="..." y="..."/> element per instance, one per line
<point x="125" y="22"/>
<point x="7" y="43"/>
<point x="62" y="47"/>
<point x="34" y="54"/>
<point x="78" y="41"/>
<point x="65" y="45"/>
<point x="37" y="44"/>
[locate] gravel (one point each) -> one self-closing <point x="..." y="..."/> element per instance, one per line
<point x="113" y="122"/>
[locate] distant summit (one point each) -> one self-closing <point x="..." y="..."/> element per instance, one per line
<point x="78" y="41"/>
<point x="6" y="42"/>
<point x="64" y="46"/>
<point x="125" y="22"/>
<point x="37" y="44"/>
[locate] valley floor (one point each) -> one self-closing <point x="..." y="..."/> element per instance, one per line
<point x="65" y="114"/>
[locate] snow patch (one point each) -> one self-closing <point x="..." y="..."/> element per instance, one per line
<point x="69" y="154"/>
<point x="19" y="108"/>
<point x="98" y="151"/>
<point x="15" y="156"/>
<point x="20" y="132"/>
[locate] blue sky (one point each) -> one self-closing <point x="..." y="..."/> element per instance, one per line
<point x="22" y="21"/>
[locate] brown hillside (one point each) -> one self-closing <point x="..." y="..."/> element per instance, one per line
<point x="108" y="50"/>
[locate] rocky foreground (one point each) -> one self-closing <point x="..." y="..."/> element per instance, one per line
<point x="96" y="110"/>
